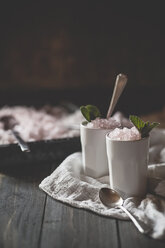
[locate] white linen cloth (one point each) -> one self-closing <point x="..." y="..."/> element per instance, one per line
<point x="68" y="184"/>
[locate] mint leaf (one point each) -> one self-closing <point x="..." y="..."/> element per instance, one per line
<point x="94" y="111"/>
<point x="85" y="113"/>
<point x="90" y="112"/>
<point x="143" y="127"/>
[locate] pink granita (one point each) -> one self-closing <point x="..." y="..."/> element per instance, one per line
<point x="125" y="134"/>
<point x="110" y="123"/>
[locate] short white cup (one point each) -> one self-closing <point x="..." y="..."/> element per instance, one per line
<point x="128" y="161"/>
<point x="94" y="156"/>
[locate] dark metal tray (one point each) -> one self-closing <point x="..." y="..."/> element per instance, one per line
<point x="41" y="151"/>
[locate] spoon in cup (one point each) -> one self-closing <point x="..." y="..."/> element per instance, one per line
<point x="110" y="198"/>
<point x="120" y="84"/>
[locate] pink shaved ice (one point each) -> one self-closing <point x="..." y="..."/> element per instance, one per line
<point x="125" y="134"/>
<point x="110" y="123"/>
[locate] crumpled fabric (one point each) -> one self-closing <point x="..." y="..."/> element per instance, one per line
<point x="68" y="184"/>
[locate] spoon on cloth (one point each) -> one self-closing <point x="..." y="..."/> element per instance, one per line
<point x="110" y="198"/>
<point x="120" y="84"/>
<point x="9" y="123"/>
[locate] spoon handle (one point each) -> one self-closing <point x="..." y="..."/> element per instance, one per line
<point x="120" y="84"/>
<point x="23" y="145"/>
<point x="139" y="227"/>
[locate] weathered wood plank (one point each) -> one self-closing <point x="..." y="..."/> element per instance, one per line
<point x="21" y="207"/>
<point x="28" y="218"/>
<point x="131" y="237"/>
<point x="64" y="226"/>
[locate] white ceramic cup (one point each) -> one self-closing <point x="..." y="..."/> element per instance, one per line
<point x="128" y="161"/>
<point x="94" y="156"/>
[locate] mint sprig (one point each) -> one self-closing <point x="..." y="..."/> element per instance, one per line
<point x="143" y="127"/>
<point x="90" y="112"/>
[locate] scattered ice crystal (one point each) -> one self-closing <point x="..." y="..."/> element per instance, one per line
<point x="125" y="134"/>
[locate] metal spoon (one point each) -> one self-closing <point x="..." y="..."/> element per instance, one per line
<point x="9" y="123"/>
<point x="110" y="198"/>
<point x="120" y="84"/>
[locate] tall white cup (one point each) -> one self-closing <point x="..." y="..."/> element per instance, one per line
<point x="128" y="162"/>
<point x="94" y="156"/>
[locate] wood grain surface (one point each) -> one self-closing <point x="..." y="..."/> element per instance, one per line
<point x="30" y="218"/>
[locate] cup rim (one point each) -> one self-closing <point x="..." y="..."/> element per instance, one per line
<point x="133" y="141"/>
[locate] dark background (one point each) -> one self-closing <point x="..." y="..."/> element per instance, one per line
<point x="53" y="51"/>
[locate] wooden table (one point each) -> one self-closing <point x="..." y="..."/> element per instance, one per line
<point x="30" y="218"/>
